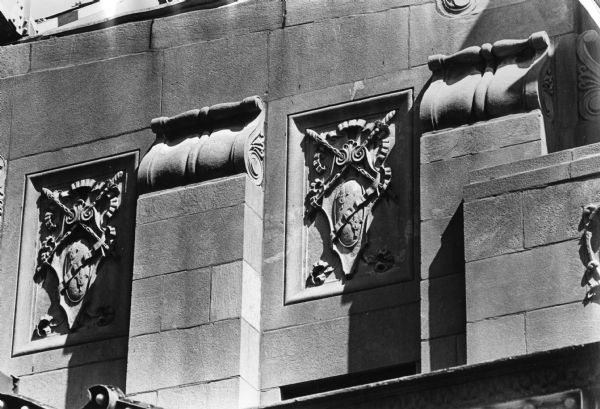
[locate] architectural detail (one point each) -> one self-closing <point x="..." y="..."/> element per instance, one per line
<point x="455" y="7"/>
<point x="381" y="260"/>
<point x="321" y="270"/>
<point x="75" y="238"/>
<point x="111" y="397"/>
<point x="588" y="75"/>
<point x="204" y="144"/>
<point x="2" y="182"/>
<point x="589" y="251"/>
<point x="480" y="83"/>
<point x="353" y="161"/>
<point x="547" y="94"/>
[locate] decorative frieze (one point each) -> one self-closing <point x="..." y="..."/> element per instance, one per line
<point x="480" y="83"/>
<point x="204" y="144"/>
<point x="588" y="75"/>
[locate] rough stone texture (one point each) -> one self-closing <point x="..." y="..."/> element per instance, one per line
<point x="179" y="357"/>
<point x="443" y="306"/>
<point x="211" y="24"/>
<point x="216" y="65"/>
<point x="68" y="387"/>
<point x="14" y="60"/>
<point x="432" y="33"/>
<point x="148" y="397"/>
<point x="496" y="338"/>
<point x="356" y="343"/>
<point x="524" y="281"/>
<point x="302" y="59"/>
<point x="146" y="300"/>
<point x="442" y="246"/>
<point x="189" y="242"/>
<point x="226" y="291"/>
<point x="123" y="94"/>
<point x="585" y="151"/>
<point x="186" y="299"/>
<point x="219" y="394"/>
<point x="561" y="326"/>
<point x="493" y="226"/>
<point x="482" y="136"/>
<point x="553" y="213"/>
<point x="190" y="199"/>
<point x="95" y="45"/>
<point x="585" y="167"/>
<point x="441" y="353"/>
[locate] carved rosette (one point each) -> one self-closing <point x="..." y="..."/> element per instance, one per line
<point x="351" y="175"/>
<point x="75" y="237"/>
<point x="588" y="75"/>
<point x="2" y="182"/>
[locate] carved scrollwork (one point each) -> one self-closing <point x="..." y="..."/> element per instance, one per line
<point x="351" y="175"/>
<point x="456" y="7"/>
<point x="589" y="251"/>
<point x="588" y="76"/>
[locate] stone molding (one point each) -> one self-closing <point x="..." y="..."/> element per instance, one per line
<point x="481" y="83"/>
<point x="588" y="75"/>
<point x="203" y="144"/>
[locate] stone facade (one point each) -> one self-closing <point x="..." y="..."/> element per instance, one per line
<point x="387" y="203"/>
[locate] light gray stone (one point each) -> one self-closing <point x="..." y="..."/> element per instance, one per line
<point x="226" y="291"/>
<point x="178" y="357"/>
<point x="148" y="397"/>
<point x="253" y="238"/>
<point x="524" y="281"/>
<point x="313" y="56"/>
<point x="123" y="39"/>
<point x="585" y="167"/>
<point x="220" y="394"/>
<point x="186" y="299"/>
<point x="212" y="24"/>
<point x="561" y="326"/>
<point x="250" y="355"/>
<point x="442" y="246"/>
<point x="146" y="305"/>
<point x="443" y="306"/>
<point x="493" y="226"/>
<point x="251" y="295"/>
<point x="585" y="151"/>
<point x="216" y="65"/>
<point x="496" y="338"/>
<point x="15" y="60"/>
<point x="189" y="242"/>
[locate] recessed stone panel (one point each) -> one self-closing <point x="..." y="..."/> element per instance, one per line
<point x="75" y="254"/>
<point x="349" y="198"/>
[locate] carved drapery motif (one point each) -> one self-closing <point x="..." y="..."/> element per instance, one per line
<point x="75" y="237"/>
<point x="588" y="75"/>
<point x="589" y="251"/>
<point x="352" y="175"/>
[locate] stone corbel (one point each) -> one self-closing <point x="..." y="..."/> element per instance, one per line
<point x="481" y="83"/>
<point x="203" y="144"/>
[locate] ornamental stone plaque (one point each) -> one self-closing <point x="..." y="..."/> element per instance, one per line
<point x="349" y="197"/>
<point x="75" y="261"/>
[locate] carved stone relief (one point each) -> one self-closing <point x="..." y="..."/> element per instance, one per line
<point x="204" y="144"/>
<point x="75" y="264"/>
<point x="480" y="83"/>
<point x="589" y="247"/>
<point x="456" y="7"/>
<point x="349" y="198"/>
<point x="588" y="75"/>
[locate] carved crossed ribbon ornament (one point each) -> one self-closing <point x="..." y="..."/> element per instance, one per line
<point x="76" y="238"/>
<point x="591" y="276"/>
<point x="350" y="164"/>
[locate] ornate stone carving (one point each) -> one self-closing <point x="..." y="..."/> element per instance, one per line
<point x="111" y="397"/>
<point x="588" y="75"/>
<point x="206" y="143"/>
<point x="2" y="181"/>
<point x="590" y="244"/>
<point x="480" y="83"/>
<point x="455" y="7"/>
<point x="75" y="237"/>
<point x="351" y="176"/>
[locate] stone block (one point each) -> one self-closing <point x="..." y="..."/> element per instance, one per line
<point x="226" y="291"/>
<point x="222" y="394"/>
<point x="443" y="306"/>
<point x="147" y="397"/>
<point x="561" y="326"/>
<point x="146" y="301"/>
<point x="482" y="136"/>
<point x="520" y="181"/>
<point x="186" y="299"/>
<point x="251" y="295"/>
<point x="190" y="199"/>
<point x="67" y="388"/>
<point x="586" y="150"/>
<point x="524" y="281"/>
<point x="15" y="60"/>
<point x="495" y="172"/>
<point x="493" y="226"/>
<point x="433" y="33"/>
<point x="439" y="353"/>
<point x="253" y="238"/>
<point x="123" y="95"/>
<point x="553" y="213"/>
<point x="250" y="355"/>
<point x="270" y="396"/>
<point x="123" y="39"/>
<point x="212" y="24"/>
<point x="442" y="246"/>
<point x="313" y="56"/>
<point x="174" y="358"/>
<point x="254" y="197"/>
<point x="496" y="338"/>
<point x="189" y="242"/>
<point x="344" y="345"/>
<point x="216" y="65"/>
<point x="585" y="167"/>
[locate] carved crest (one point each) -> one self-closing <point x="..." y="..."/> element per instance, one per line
<point x="76" y="236"/>
<point x="351" y="176"/>
<point x="589" y="251"/>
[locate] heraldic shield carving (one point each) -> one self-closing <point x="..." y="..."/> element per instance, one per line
<point x="350" y="175"/>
